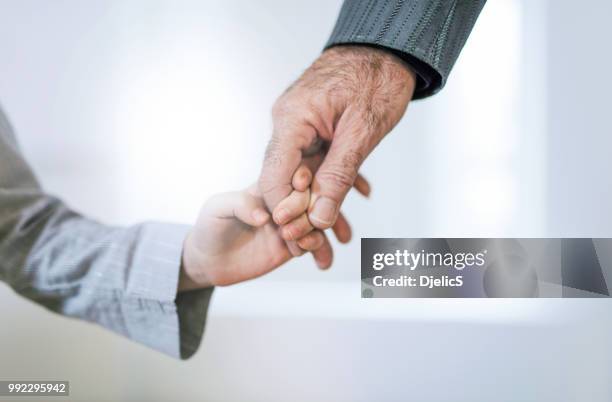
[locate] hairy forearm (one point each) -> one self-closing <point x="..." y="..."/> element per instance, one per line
<point x="373" y="81"/>
<point x="428" y="34"/>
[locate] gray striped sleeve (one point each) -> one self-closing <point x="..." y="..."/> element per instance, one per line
<point x="124" y="279"/>
<point x="427" y="34"/>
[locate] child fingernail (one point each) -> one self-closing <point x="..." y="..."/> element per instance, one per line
<point x="281" y="216"/>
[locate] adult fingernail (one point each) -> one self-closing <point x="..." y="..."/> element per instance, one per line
<point x="281" y="216"/>
<point x="324" y="211"/>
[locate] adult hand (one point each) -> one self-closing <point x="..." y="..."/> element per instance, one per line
<point x="344" y="103"/>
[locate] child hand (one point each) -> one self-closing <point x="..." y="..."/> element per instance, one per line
<point x="234" y="240"/>
<point x="291" y="214"/>
<point x="297" y="204"/>
<point x="291" y="211"/>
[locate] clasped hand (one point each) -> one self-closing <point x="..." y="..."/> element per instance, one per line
<point x="325" y="125"/>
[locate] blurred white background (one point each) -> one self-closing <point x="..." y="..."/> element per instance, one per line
<point x="140" y="110"/>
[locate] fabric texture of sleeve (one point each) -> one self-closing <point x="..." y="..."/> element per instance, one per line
<point x="124" y="279"/>
<point x="426" y="34"/>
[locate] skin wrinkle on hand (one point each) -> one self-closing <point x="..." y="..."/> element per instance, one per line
<point x="333" y="116"/>
<point x="273" y="156"/>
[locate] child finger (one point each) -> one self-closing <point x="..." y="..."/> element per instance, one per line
<point x="312" y="241"/>
<point x="240" y="205"/>
<point x="297" y="228"/>
<point x="294" y="248"/>
<point x="291" y="207"/>
<point x="301" y="178"/>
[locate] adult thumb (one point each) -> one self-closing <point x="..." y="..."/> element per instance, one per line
<point x="332" y="182"/>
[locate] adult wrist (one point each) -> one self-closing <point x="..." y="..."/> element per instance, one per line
<point x="387" y="54"/>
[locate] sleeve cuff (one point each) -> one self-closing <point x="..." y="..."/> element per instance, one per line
<point x="426" y="34"/>
<point x="155" y="315"/>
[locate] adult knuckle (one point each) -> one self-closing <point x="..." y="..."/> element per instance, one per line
<point x="351" y="161"/>
<point x="271" y="190"/>
<point x="273" y="156"/>
<point x="285" y="106"/>
<point x="279" y="108"/>
<point x="337" y="177"/>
